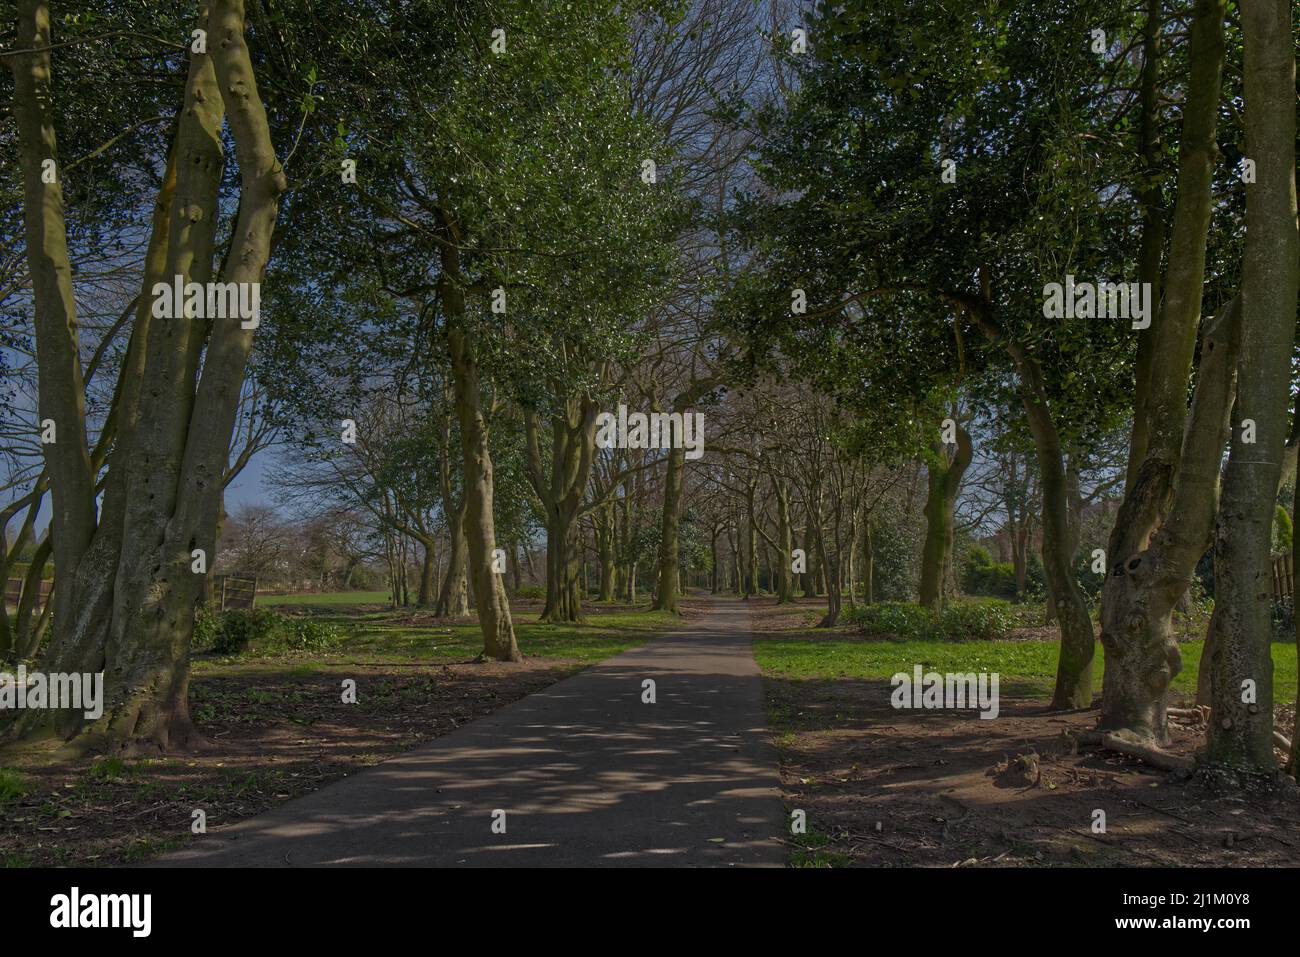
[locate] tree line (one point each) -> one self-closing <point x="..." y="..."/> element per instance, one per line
<point x="830" y="231"/>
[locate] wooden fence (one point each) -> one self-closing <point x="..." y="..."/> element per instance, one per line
<point x="14" y="591"/>
<point x="1283" y="576"/>
<point x="231" y="592"/>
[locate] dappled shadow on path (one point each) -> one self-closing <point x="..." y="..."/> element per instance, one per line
<point x="587" y="772"/>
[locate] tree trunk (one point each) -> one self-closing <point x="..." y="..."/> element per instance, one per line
<point x="428" y="575"/>
<point x="1078" y="638"/>
<point x="1139" y="594"/>
<point x="1150" y="567"/>
<point x="453" y="597"/>
<point x="573" y="443"/>
<point x="785" y="536"/>
<point x="666" y="592"/>
<point x="126" y="585"/>
<point x="944" y="481"/>
<point x="868" y="564"/>
<point x="605" y="538"/>
<point x="490" y="600"/>
<point x="751" y="583"/>
<point x="1293" y="763"/>
<point x="713" y="561"/>
<point x="1241" y="724"/>
<point x="1151" y="251"/>
<point x="834" y="596"/>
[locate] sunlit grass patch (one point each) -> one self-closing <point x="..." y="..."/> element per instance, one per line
<point x="1027" y="666"/>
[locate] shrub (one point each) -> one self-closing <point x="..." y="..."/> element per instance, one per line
<point x="531" y="591"/>
<point x="987" y="619"/>
<point x="899" y="619"/>
<point x="983" y="576"/>
<point x="233" y="631"/>
<point x="1284" y="618"/>
<point x="996" y="580"/>
<point x="308" y="634"/>
<point x="1035" y="577"/>
<point x="1089" y="581"/>
<point x="1283" y="531"/>
<point x="207" y="624"/>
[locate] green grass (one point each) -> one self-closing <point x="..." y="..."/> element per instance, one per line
<point x="109" y="768"/>
<point x="1023" y="666"/>
<point x="12" y="785"/>
<point x="812" y="851"/>
<point x="382" y="636"/>
<point x="329" y="599"/>
<point x="599" y="637"/>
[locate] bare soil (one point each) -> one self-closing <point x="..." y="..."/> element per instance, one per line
<point x="884" y="787"/>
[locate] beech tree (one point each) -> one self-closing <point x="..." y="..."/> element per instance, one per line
<point x="1241" y="725"/>
<point x="1167" y="514"/>
<point x="126" y="584"/>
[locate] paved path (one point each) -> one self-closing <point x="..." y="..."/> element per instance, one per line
<point x="587" y="774"/>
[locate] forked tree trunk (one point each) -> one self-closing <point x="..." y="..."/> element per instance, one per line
<point x="1149" y="570"/>
<point x="127" y="591"/>
<point x="1139" y="594"/>
<point x="453" y="596"/>
<point x="573" y="444"/>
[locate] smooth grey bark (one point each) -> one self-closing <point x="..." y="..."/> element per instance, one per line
<point x="1241" y="723"/>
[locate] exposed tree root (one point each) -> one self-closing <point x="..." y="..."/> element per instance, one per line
<point x="1115" y="741"/>
<point x="1200" y="715"/>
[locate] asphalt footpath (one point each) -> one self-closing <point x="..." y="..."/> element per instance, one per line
<point x="587" y="773"/>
